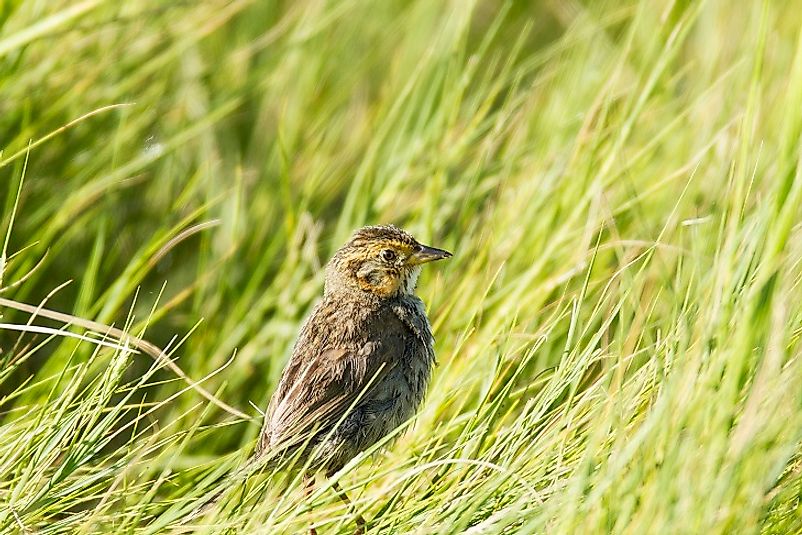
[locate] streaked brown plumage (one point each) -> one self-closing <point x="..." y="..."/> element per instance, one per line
<point x="363" y="358"/>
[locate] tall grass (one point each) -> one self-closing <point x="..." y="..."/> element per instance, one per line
<point x="617" y="333"/>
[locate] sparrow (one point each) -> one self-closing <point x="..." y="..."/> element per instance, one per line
<point x="362" y="360"/>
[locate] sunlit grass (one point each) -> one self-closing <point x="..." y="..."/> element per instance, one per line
<point x="617" y="333"/>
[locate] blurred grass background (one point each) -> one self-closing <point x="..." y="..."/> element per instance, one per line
<point x="618" y="332"/>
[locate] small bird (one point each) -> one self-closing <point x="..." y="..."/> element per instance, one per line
<point x="362" y="360"/>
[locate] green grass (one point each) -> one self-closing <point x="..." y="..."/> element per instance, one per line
<point x="618" y="333"/>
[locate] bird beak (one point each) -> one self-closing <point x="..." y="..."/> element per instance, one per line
<point x="428" y="254"/>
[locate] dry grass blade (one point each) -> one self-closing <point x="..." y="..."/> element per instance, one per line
<point x="125" y="338"/>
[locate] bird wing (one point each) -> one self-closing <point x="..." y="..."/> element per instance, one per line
<point x="316" y="394"/>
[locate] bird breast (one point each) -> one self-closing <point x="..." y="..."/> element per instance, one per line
<point x="399" y="393"/>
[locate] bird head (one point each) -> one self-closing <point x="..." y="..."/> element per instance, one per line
<point x="383" y="261"/>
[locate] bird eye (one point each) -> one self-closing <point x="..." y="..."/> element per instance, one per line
<point x="388" y="255"/>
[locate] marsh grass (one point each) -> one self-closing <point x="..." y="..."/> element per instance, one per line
<point x="617" y="333"/>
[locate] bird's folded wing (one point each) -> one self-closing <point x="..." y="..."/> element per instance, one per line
<point x="317" y="394"/>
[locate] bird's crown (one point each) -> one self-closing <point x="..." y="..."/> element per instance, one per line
<point x="375" y="237"/>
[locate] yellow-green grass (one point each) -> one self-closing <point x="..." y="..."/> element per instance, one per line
<point x="617" y="333"/>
